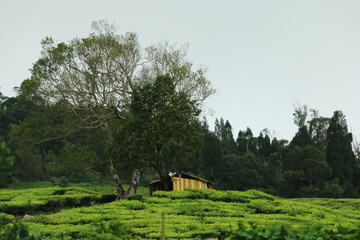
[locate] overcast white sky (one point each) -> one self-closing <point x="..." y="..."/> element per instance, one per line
<point x="263" y="56"/>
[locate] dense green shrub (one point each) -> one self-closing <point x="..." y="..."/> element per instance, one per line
<point x="21" y="201"/>
<point x="5" y="218"/>
<point x="283" y="232"/>
<point x="134" y="204"/>
<point x="110" y="231"/>
<point x="105" y="198"/>
<point x="175" y="194"/>
<point x="189" y="214"/>
<point x="17" y="231"/>
<point x="6" y="164"/>
<point x="64" y="182"/>
<point x="214" y="195"/>
<point x="136" y="196"/>
<point x="198" y="208"/>
<point x="263" y="206"/>
<point x="101" y="231"/>
<point x="255" y="194"/>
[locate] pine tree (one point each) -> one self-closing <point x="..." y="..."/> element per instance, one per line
<point x="339" y="154"/>
<point x="302" y="138"/>
<point x="224" y="132"/>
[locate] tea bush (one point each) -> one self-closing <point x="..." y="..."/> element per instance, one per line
<point x="263" y="206"/>
<point x="224" y="196"/>
<point x="101" y="231"/>
<point x="5" y="219"/>
<point x="189" y="214"/>
<point x="284" y="232"/>
<point x="21" y="201"/>
<point x="191" y="218"/>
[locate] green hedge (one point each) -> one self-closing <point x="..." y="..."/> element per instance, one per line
<point x="21" y="201"/>
<point x="190" y="214"/>
<point x="283" y="232"/>
<point x="100" y="231"/>
<point x="223" y="196"/>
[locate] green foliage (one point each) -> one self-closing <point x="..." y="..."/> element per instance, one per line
<point x="17" y="232"/>
<point x="110" y="231"/>
<point x="5" y="219"/>
<point x="138" y="197"/>
<point x="255" y="194"/>
<point x="224" y="132"/>
<point x="63" y="182"/>
<point x="244" y="171"/>
<point x="163" y="119"/>
<point x="13" y="110"/>
<point x="211" y="165"/>
<point x="101" y="231"/>
<point x="134" y="205"/>
<point x="339" y="153"/>
<point x="283" y="232"/>
<point x="6" y="164"/>
<point x="246" y="142"/>
<point x="87" y="84"/>
<point x="189" y="214"/>
<point x="215" y="195"/>
<point x="302" y="138"/>
<point x="23" y="201"/>
<point x="305" y="171"/>
<point x="43" y="153"/>
<point x="318" y="162"/>
<point x="73" y="158"/>
<point x="333" y="189"/>
<point x="224" y="196"/>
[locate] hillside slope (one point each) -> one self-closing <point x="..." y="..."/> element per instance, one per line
<point x="200" y="214"/>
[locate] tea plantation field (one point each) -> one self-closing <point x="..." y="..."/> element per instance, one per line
<point x="84" y="212"/>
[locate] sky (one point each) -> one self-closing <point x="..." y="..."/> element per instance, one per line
<point x="263" y="57"/>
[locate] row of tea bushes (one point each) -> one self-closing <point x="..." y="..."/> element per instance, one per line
<point x="285" y="232"/>
<point x="201" y="214"/>
<point x="5" y="219"/>
<point x="21" y="201"/>
<point x="223" y="196"/>
<point x="114" y="230"/>
<point x="100" y="231"/>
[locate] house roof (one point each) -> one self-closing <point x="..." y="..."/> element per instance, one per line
<point x="185" y="175"/>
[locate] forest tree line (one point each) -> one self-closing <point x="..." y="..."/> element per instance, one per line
<point x="107" y="106"/>
<point x="104" y="108"/>
<point x="319" y="161"/>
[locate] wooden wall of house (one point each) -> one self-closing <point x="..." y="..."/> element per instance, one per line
<point x="180" y="184"/>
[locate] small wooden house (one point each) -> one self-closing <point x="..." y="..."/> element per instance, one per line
<point x="180" y="181"/>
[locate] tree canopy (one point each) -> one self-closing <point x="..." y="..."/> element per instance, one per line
<point x="161" y="131"/>
<point x="109" y="107"/>
<point x="92" y="80"/>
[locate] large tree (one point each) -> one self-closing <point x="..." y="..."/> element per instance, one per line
<point x="94" y="77"/>
<point x="305" y="170"/>
<point x="246" y="142"/>
<point x="339" y="153"/>
<point x="6" y="162"/>
<point x="213" y="168"/>
<point x="224" y="132"/>
<point x="314" y="130"/>
<point x="243" y="172"/>
<point x="162" y="130"/>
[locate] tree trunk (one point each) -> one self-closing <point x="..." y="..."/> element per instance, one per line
<point x="117" y="182"/>
<point x="135" y="178"/>
<point x="43" y="166"/>
<point x="121" y="193"/>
